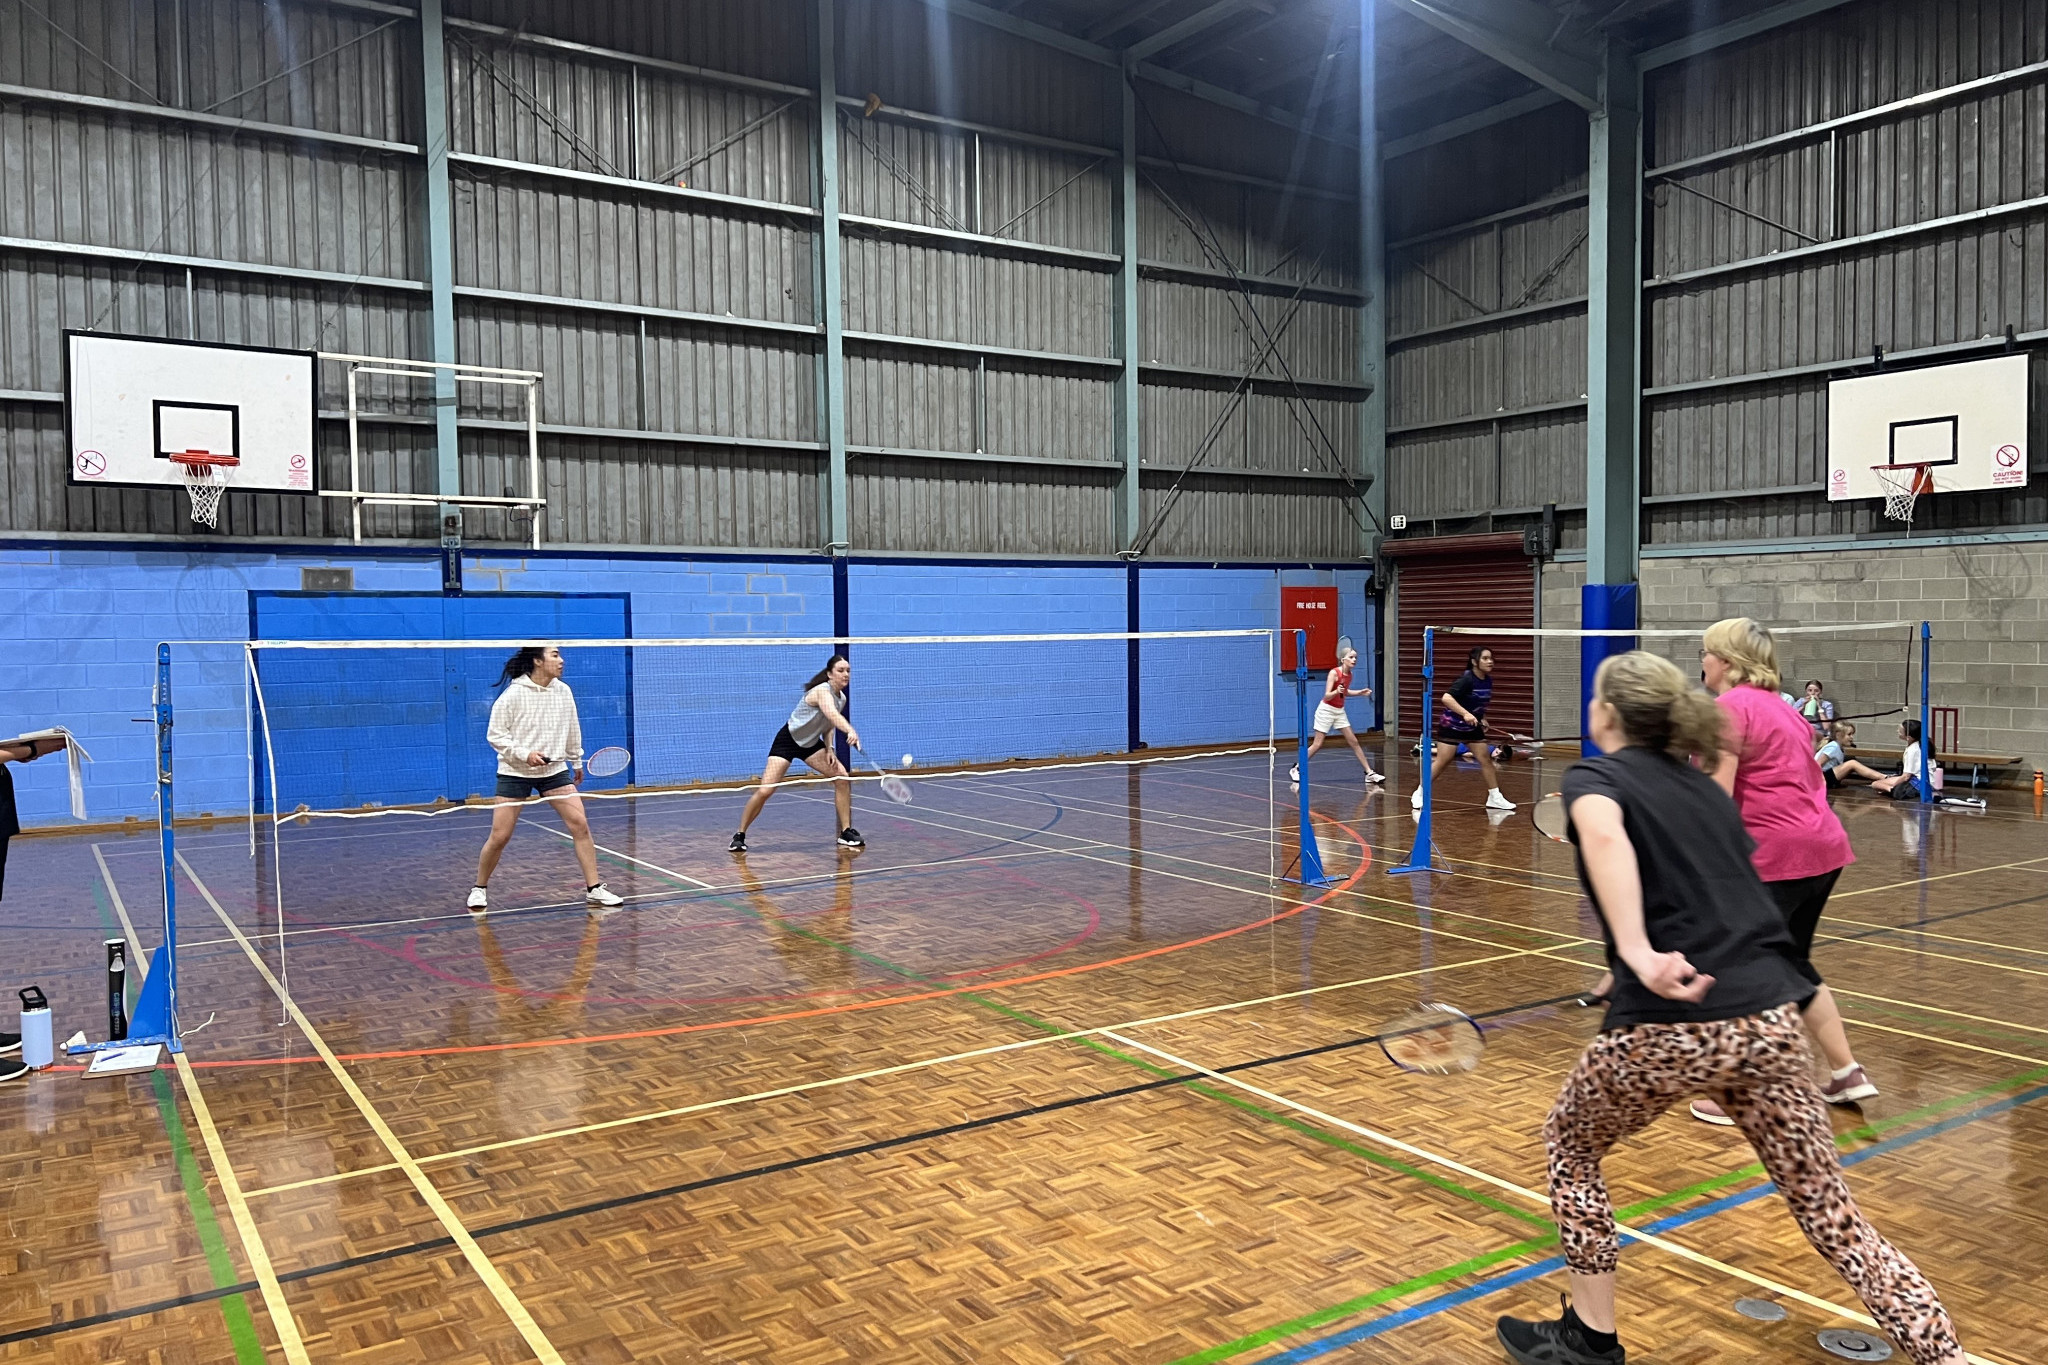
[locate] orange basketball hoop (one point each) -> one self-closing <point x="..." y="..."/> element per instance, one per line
<point x="1903" y="484"/>
<point x="206" y="478"/>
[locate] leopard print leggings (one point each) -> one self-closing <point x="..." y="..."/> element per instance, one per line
<point x="1758" y="1069"/>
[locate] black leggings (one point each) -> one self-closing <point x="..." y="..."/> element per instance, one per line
<point x="1801" y="901"/>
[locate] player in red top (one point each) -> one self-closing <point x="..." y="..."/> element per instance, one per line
<point x="1330" y="715"/>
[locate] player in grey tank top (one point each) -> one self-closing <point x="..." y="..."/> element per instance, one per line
<point x="807" y="735"/>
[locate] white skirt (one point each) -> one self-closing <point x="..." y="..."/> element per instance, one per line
<point x="1330" y="718"/>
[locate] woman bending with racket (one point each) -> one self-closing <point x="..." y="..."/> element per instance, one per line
<point x="1463" y="721"/>
<point x="539" y="740"/>
<point x="1707" y="996"/>
<point x="807" y="735"/>
<point x="1330" y="714"/>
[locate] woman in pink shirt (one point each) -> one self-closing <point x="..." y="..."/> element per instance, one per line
<point x="1801" y="848"/>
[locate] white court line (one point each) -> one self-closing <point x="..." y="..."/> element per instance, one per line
<point x="281" y="1320"/>
<point x="529" y="1330"/>
<point x="1664" y="1244"/>
<point x="805" y="1087"/>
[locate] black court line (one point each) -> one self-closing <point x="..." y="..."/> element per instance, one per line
<point x="729" y="1177"/>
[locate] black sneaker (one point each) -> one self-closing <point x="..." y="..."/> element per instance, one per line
<point x="738" y="843"/>
<point x="1562" y="1342"/>
<point x="13" y="1069"/>
<point x="850" y="838"/>
<point x="9" y="1042"/>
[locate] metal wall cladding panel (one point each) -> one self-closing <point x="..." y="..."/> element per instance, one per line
<point x="699" y="380"/>
<point x="912" y="404"/>
<point x="1037" y="194"/>
<point x="116" y="49"/>
<point x="1492" y="171"/>
<point x="1215" y="429"/>
<point x="1186" y="220"/>
<point x="1179" y="426"/>
<point x="1487" y="270"/>
<point x="1475" y="374"/>
<point x="1219" y="225"/>
<point x="1754" y="437"/>
<point x="1443" y="474"/>
<point x="1219" y="328"/>
<point x="691" y="132"/>
<point x="768" y="39"/>
<point x="1058" y="416"/>
<point x="906" y="173"/>
<point x="913" y="504"/>
<point x="1952" y="286"/>
<point x="1542" y="460"/>
<point x="529" y="236"/>
<point x="906" y="289"/>
<point x="917" y="56"/>
<point x="622" y="492"/>
<point x="1181" y="128"/>
<point x="1738" y="211"/>
<point x="76" y="176"/>
<point x="1291" y="434"/>
<point x="43" y="296"/>
<point x="533" y="104"/>
<point x="1224" y="518"/>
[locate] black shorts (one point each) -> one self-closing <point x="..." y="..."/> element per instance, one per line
<point x="1801" y="901"/>
<point x="785" y="746"/>
<point x="1828" y="776"/>
<point x="1909" y="790"/>
<point x="519" y="788"/>
<point x="1458" y="734"/>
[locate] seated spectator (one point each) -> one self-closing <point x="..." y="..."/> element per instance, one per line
<point x="1830" y="755"/>
<point x="1903" y="785"/>
<point x="1818" y="710"/>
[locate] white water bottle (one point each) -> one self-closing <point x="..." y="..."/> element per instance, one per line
<point x="38" y="1044"/>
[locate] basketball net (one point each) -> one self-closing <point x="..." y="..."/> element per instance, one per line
<point x="206" y="478"/>
<point x="1903" y="485"/>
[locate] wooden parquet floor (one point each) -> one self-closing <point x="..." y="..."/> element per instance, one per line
<point x="1049" y="1073"/>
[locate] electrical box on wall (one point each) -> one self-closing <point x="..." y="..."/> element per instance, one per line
<point x="1397" y="522"/>
<point x="1313" y="610"/>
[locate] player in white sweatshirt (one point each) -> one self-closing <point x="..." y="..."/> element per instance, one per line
<point x="539" y="742"/>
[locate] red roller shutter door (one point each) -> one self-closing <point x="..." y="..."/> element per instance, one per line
<point x="1480" y="585"/>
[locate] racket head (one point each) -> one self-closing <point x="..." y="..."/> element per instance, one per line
<point x="609" y="761"/>
<point x="896" y="789"/>
<point x="1344" y="646"/>
<point x="1550" y="818"/>
<point x="1433" y="1040"/>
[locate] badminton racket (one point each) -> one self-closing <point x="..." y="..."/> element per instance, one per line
<point x="609" y="761"/>
<point x="1550" y="817"/>
<point x="893" y="787"/>
<point x="1343" y="647"/>
<point x="1434" y="1039"/>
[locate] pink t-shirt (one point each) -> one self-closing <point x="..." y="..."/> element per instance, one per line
<point x="1779" y="788"/>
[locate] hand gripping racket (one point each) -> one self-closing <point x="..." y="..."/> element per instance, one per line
<point x="893" y="787"/>
<point x="1436" y="1039"/>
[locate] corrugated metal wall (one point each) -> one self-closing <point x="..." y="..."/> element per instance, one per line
<point x="1793" y="224"/>
<point x="634" y="212"/>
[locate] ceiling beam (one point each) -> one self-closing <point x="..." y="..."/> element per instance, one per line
<point x="1734" y="31"/>
<point x="1124" y="18"/>
<point x="1517" y="34"/>
<point x="1189" y="54"/>
<point x="1469" y="123"/>
<point x="1230" y="99"/>
<point x="1201" y="21"/>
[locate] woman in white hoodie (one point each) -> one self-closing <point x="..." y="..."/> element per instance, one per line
<point x="539" y="740"/>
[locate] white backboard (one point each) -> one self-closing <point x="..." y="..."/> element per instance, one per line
<point x="129" y="402"/>
<point x="1968" y="421"/>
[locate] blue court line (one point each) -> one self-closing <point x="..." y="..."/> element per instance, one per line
<point x="1508" y="1279"/>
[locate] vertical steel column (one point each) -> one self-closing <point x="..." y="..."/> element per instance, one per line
<point x="440" y="243"/>
<point x="1614" y="293"/>
<point x="1130" y="497"/>
<point x="1372" y="279"/>
<point x="831" y="289"/>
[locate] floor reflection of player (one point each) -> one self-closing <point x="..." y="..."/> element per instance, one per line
<point x="816" y="947"/>
<point x="525" y="1012"/>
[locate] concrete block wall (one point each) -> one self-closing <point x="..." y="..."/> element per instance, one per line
<point x="1985" y="602"/>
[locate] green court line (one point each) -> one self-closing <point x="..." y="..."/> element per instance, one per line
<point x="1322" y="1317"/>
<point x="233" y="1307"/>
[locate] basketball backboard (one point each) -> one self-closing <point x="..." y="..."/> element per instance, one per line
<point x="1966" y="422"/>
<point x="130" y="403"/>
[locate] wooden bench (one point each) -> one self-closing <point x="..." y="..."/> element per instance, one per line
<point x="1976" y="763"/>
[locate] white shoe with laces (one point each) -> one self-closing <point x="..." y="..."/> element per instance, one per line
<point x="1495" y="801"/>
<point x="1415" y="798"/>
<point x="603" y="895"/>
<point x="1294" y="773"/>
<point x="479" y="899"/>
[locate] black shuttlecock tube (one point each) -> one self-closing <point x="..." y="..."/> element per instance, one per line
<point x="117" y="990"/>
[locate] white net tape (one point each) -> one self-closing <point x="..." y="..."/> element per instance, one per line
<point x="1902" y="485"/>
<point x="206" y="483"/>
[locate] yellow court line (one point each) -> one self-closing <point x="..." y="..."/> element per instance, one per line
<point x="1664" y="1244"/>
<point x="899" y="1068"/>
<point x="281" y="1319"/>
<point x="1969" y="1047"/>
<point x="1944" y="877"/>
<point x="1925" y="952"/>
<point x="1934" y="1009"/>
<point x="529" y="1330"/>
<point x="1946" y="938"/>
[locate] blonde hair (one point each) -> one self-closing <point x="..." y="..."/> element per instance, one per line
<point x="1747" y="648"/>
<point x="1658" y="708"/>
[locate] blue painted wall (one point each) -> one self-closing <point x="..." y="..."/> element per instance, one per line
<point x="83" y="623"/>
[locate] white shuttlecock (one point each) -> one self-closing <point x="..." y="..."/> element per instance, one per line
<point x="908" y="761"/>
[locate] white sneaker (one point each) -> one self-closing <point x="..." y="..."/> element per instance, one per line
<point x="604" y="895"/>
<point x="1294" y="773"/>
<point x="1375" y="777"/>
<point x="1495" y="801"/>
<point x="1415" y="798"/>
<point x="478" y="898"/>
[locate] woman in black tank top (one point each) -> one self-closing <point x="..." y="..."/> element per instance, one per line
<point x="820" y="711"/>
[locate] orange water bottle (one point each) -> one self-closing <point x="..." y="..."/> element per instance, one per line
<point x="2039" y="786"/>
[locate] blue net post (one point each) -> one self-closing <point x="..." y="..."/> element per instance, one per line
<point x="1311" y="868"/>
<point x="1421" y="858"/>
<point x="1926" y="719"/>
<point x="1602" y="606"/>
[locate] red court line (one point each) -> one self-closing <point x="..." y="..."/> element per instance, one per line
<point x="1365" y="862"/>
